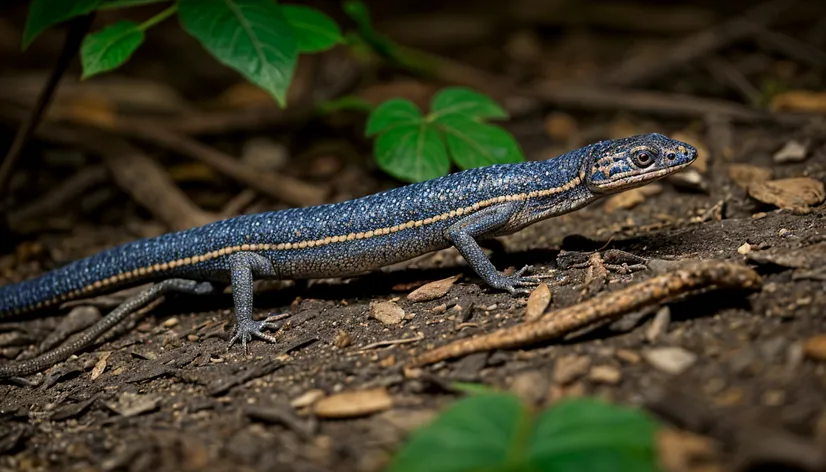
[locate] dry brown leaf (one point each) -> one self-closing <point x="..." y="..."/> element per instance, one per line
<point x="796" y="194"/>
<point x="631" y="198"/>
<point x="100" y="366"/>
<point x="307" y="398"/>
<point x="387" y="312"/>
<point x="682" y="451"/>
<point x="538" y="301"/>
<point x="432" y="290"/>
<point x="354" y="403"/>
<point x="800" y="100"/>
<point x="746" y="174"/>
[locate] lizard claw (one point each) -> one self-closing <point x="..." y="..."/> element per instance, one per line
<point x="511" y="283"/>
<point x="246" y="330"/>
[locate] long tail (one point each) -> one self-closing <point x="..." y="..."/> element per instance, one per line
<point x="104" y="272"/>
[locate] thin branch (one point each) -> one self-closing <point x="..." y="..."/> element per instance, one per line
<point x="74" y="36"/>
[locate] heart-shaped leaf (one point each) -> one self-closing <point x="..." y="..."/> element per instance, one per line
<point x="474" y="144"/>
<point x="464" y="102"/>
<point x="314" y="31"/>
<point x="250" y="36"/>
<point x="412" y="152"/>
<point x="478" y="433"/>
<point x="110" y="47"/>
<point x="586" y="434"/>
<point x="498" y="433"/>
<point x="393" y="112"/>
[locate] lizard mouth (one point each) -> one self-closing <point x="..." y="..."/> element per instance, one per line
<point x="630" y="181"/>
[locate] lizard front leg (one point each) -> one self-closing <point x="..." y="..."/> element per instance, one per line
<point x="243" y="266"/>
<point x="463" y="235"/>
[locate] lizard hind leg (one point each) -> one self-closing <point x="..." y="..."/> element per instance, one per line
<point x="243" y="267"/>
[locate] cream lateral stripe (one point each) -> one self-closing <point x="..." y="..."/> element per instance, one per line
<point x="160" y="267"/>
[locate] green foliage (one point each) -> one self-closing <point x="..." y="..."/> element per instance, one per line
<point x="496" y="432"/>
<point x="413" y="148"/>
<point x="46" y="13"/>
<point x="251" y="36"/>
<point x="261" y="39"/>
<point x="110" y="47"/>
<point x="313" y="30"/>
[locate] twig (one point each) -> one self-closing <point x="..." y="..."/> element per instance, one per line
<point x="791" y="47"/>
<point x="596" y="97"/>
<point x="390" y="342"/>
<point x="609" y="306"/>
<point x="74" y="36"/>
<point x="639" y="70"/>
<point x="149" y="185"/>
<point x="278" y="186"/>
<point x="727" y="74"/>
<point x="58" y="197"/>
<point x="660" y="103"/>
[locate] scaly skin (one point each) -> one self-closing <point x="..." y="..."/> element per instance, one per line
<point x="357" y="236"/>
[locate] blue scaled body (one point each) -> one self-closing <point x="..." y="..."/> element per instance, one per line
<point x="367" y="233"/>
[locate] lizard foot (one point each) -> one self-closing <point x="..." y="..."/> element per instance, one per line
<point x="511" y="283"/>
<point x="245" y="330"/>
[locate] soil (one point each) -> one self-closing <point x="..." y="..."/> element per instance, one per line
<point x="165" y="393"/>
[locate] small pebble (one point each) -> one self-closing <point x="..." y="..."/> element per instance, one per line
<point x="659" y="326"/>
<point x="671" y="360"/>
<point x="342" y="339"/>
<point x="570" y="368"/>
<point x="605" y="374"/>
<point x="530" y="386"/>
<point x="628" y="356"/>
<point x="389" y="313"/>
<point x="171" y="323"/>
<point x="744" y="249"/>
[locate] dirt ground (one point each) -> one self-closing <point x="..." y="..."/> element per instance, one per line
<point x="746" y="370"/>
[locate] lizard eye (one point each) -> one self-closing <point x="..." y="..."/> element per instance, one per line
<point x="643" y="158"/>
<point x="671" y="156"/>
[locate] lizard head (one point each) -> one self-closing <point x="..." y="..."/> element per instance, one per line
<point x="634" y="161"/>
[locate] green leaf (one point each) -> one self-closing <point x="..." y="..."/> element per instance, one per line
<point x="475" y="434"/>
<point x="465" y="102"/>
<point x="250" y="36"/>
<point x="393" y="112"/>
<point x="474" y="144"/>
<point x="110" y="47"/>
<point x="314" y="31"/>
<point x="113" y="4"/>
<point x="45" y="13"/>
<point x="497" y="432"/>
<point x="585" y="434"/>
<point x="412" y="152"/>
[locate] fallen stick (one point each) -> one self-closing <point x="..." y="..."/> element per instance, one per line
<point x="149" y="185"/>
<point x="659" y="289"/>
<point x="639" y="70"/>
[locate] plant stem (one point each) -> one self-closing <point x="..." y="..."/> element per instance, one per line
<point x="78" y="28"/>
<point x="158" y="18"/>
